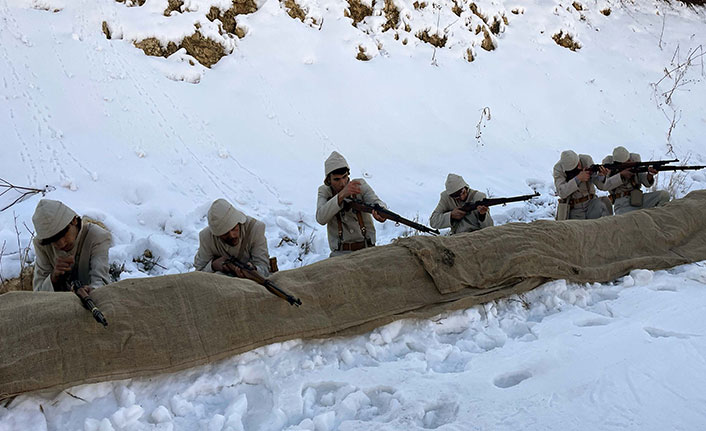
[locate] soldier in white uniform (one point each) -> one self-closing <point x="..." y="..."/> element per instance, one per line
<point x="577" y="195"/>
<point x="68" y="249"/>
<point x="348" y="230"/>
<point x="448" y="211"/>
<point x="231" y="233"/>
<point x="625" y="186"/>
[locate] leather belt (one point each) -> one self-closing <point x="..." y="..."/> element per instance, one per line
<point x="617" y="196"/>
<point x="573" y="202"/>
<point x="354" y="246"/>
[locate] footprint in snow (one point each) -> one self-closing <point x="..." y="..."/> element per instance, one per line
<point x="661" y="333"/>
<point x="511" y="379"/>
<point x="595" y="321"/>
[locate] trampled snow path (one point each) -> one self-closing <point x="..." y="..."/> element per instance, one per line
<point x="629" y="355"/>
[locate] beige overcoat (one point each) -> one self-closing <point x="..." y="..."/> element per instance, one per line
<point x="327" y="207"/>
<point x="574" y="189"/>
<point x="252" y="247"/>
<point x="441" y="217"/>
<point x="92" y="260"/>
<point x="619" y="185"/>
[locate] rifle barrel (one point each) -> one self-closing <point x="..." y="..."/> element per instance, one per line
<point x="369" y="208"/>
<point x="267" y="284"/>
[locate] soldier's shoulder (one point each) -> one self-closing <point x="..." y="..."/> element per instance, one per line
<point x="97" y="233"/>
<point x="586" y="160"/>
<point x="477" y="195"/>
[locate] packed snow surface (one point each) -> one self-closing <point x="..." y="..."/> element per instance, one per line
<point x="144" y="144"/>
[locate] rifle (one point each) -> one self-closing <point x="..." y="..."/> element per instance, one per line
<point x="259" y="279"/>
<point x="88" y="303"/>
<point x="661" y="168"/>
<point x="489" y="202"/>
<point x="615" y="167"/>
<point x="361" y="206"/>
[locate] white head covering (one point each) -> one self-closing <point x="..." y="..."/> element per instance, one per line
<point x="454" y="183"/>
<point x="51" y="217"/>
<point x="621" y="155"/>
<point x="334" y="161"/>
<point x="222" y="217"/>
<point x="569" y="160"/>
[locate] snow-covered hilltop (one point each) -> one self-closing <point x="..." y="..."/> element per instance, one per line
<point x="244" y="100"/>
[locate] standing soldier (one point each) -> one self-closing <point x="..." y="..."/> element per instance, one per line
<point x="576" y="187"/>
<point x="230" y="233"/>
<point x="68" y="250"/>
<point x="348" y="230"/>
<point x="448" y="211"/>
<point x="625" y="185"/>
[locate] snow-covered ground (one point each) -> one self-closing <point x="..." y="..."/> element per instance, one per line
<point x="145" y="144"/>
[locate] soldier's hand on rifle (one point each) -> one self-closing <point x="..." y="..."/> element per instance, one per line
<point x="603" y="171"/>
<point x="652" y="171"/>
<point x="458" y="214"/>
<point x="584" y="175"/>
<point x="482" y="209"/>
<point x="61" y="266"/>
<point x="379" y="217"/>
<point x="350" y="189"/>
<point x="626" y="173"/>
<point x="83" y="291"/>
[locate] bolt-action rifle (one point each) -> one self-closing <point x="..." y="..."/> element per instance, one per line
<point x="253" y="275"/>
<point x="88" y="303"/>
<point x="616" y="167"/>
<point x="662" y="168"/>
<point x="361" y="206"/>
<point x="489" y="202"/>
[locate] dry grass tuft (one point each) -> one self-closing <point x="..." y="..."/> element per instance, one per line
<point x="392" y="14"/>
<point x="294" y="10"/>
<point x="358" y="11"/>
<point x="487" y="43"/>
<point x="469" y="55"/>
<point x="433" y="39"/>
<point x="495" y="26"/>
<point x="106" y="31"/>
<point x="23" y="282"/>
<point x="456" y="9"/>
<point x="417" y="5"/>
<point x="173" y="6"/>
<point x="578" y="6"/>
<point x="476" y="12"/>
<point x="566" y="40"/>
<point x="606" y="11"/>
<point x="362" y="55"/>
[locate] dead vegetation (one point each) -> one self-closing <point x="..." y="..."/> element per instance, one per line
<point x="476" y="12"/>
<point x="606" y="11"/>
<point x="566" y="40"/>
<point x="487" y="43"/>
<point x="392" y="16"/>
<point x="578" y="6"/>
<point x="358" y="11"/>
<point x="294" y="10"/>
<point x="131" y="3"/>
<point x="173" y="6"/>
<point x="456" y="9"/>
<point x="419" y="5"/>
<point x="22" y="282"/>
<point x="432" y="39"/>
<point x="362" y="54"/>
<point x="206" y="51"/>
<point x="469" y="55"/>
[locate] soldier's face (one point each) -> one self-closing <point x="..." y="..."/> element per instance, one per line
<point x="66" y="242"/>
<point x="338" y="182"/>
<point x="461" y="195"/>
<point x="232" y="237"/>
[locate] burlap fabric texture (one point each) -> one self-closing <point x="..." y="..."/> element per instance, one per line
<point x="169" y="323"/>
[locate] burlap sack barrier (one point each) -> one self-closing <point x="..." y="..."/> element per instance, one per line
<point x="169" y="323"/>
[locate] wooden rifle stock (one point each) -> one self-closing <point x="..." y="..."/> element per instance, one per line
<point x="361" y="206"/>
<point x="259" y="279"/>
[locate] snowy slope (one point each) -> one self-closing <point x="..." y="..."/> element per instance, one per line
<point x="145" y="144"/>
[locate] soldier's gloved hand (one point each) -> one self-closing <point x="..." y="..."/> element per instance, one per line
<point x="62" y="265"/>
<point x="84" y="291"/>
<point x="584" y="176"/>
<point x="458" y="214"/>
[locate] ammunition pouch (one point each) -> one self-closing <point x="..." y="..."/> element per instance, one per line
<point x="636" y="198"/>
<point x="562" y="210"/>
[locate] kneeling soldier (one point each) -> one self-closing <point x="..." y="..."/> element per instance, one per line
<point x="625" y="185"/>
<point x="68" y="249"/>
<point x="348" y="230"/>
<point x="230" y="233"/>
<point x="448" y="211"/>
<point x="575" y="187"/>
